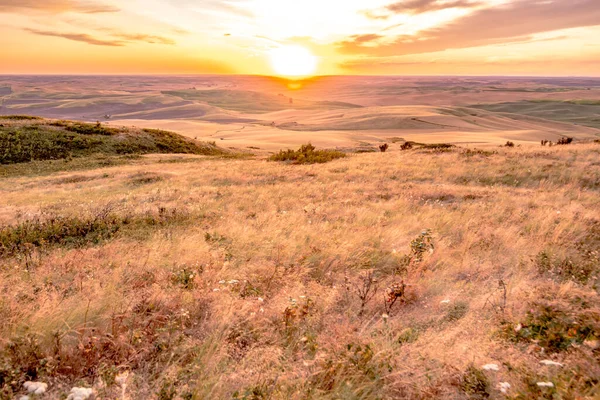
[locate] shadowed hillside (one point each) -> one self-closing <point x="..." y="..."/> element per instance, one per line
<point x="580" y="112"/>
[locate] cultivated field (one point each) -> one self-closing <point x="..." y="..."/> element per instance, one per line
<point x="336" y="112"/>
<point x="432" y="272"/>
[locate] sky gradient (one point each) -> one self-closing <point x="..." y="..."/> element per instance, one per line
<point x="355" y="37"/>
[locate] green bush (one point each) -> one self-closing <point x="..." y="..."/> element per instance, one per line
<point x="307" y="154"/>
<point x="558" y="326"/>
<point x="475" y="383"/>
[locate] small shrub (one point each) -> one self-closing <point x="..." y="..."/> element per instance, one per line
<point x="436" y="146"/>
<point x="509" y="144"/>
<point x="456" y="311"/>
<point x="478" y="152"/>
<point x="145" y="178"/>
<point x="421" y="245"/>
<point x="406" y="146"/>
<point x="565" y="140"/>
<point x="383" y="148"/>
<point x="558" y="325"/>
<point x="475" y="383"/>
<point x="307" y="154"/>
<point x="578" y="267"/>
<point x="358" y="366"/>
<point x="408" y="335"/>
<point x="185" y="277"/>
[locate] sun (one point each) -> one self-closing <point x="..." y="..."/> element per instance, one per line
<point x="293" y="61"/>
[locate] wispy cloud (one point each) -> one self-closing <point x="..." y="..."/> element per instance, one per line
<point x="55" y="6"/>
<point x="140" y="37"/>
<point x="115" y="39"/>
<point x="78" y="37"/>
<point x="422" y="6"/>
<point x="491" y="25"/>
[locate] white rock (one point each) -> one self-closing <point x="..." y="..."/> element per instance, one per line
<point x="80" y="393"/>
<point x="447" y="301"/>
<point x="552" y="363"/>
<point x="35" y="387"/>
<point x="545" y="384"/>
<point x="504" y="387"/>
<point x="491" y="367"/>
<point x="24" y="398"/>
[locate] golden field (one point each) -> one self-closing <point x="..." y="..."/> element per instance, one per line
<point x="219" y="278"/>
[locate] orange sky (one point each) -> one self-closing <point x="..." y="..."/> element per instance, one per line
<point x="416" y="37"/>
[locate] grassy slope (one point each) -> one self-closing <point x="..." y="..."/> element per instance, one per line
<point x="581" y="112"/>
<point x="246" y="278"/>
<point x="57" y="145"/>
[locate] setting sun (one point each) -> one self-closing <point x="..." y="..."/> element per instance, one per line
<point x="293" y="61"/>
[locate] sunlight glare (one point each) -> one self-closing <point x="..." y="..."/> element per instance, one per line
<point x="293" y="61"/>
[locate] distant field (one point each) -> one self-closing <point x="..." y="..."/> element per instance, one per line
<point x="580" y="112"/>
<point x="254" y="102"/>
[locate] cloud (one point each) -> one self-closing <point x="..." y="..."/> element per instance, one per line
<point x="492" y="25"/>
<point x="423" y="6"/>
<point x="140" y="37"/>
<point x="55" y="6"/>
<point x="78" y="37"/>
<point x="412" y="7"/>
<point x="116" y="40"/>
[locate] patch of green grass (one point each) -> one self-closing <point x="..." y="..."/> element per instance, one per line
<point x="19" y="117"/>
<point x="307" y="154"/>
<point x="456" y="311"/>
<point x="475" y="383"/>
<point x="70" y="231"/>
<point x="63" y="140"/>
<point x="558" y="325"/>
<point x="48" y="167"/>
<point x="87" y="129"/>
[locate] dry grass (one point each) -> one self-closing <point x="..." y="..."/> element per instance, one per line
<point x="276" y="280"/>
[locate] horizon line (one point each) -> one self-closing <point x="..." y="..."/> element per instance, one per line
<point x="297" y="78"/>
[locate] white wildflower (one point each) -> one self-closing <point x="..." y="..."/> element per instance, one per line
<point x="24" y="398"/>
<point x="552" y="363"/>
<point x="491" y="367"/>
<point x="222" y="282"/>
<point x="233" y="281"/>
<point x="216" y="290"/>
<point x="260" y="299"/>
<point x="546" y="384"/>
<point x="35" y="387"/>
<point x="80" y="393"/>
<point x="504" y="387"/>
